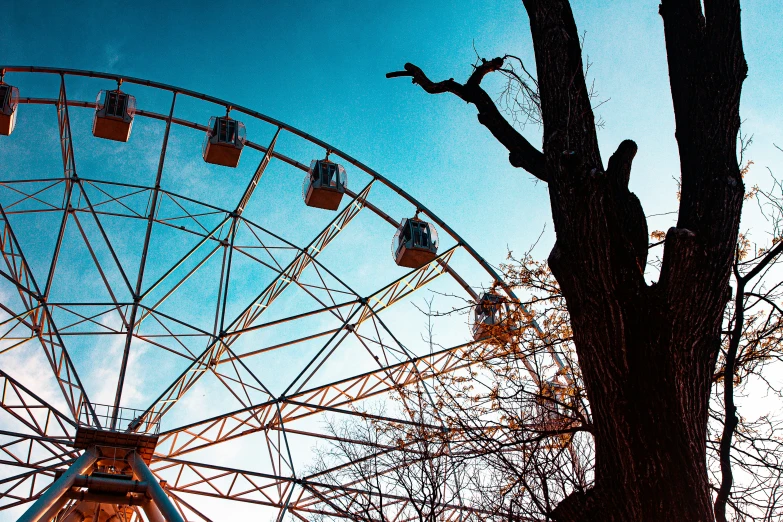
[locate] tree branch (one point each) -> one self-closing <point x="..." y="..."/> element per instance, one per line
<point x="619" y="167"/>
<point x="521" y="153"/>
<point x="730" y="419"/>
<point x="768" y="257"/>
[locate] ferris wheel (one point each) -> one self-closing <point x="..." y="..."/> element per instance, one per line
<point x="188" y="286"/>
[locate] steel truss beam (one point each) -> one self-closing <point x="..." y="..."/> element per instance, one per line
<point x="264" y="489"/>
<point x="257" y="418"/>
<point x="28" y="408"/>
<point x="398" y="367"/>
<point x="27" y="486"/>
<point x="39" y="318"/>
<point x="345" y="392"/>
<point x="33" y="452"/>
<point x="212" y="355"/>
<point x="143" y="263"/>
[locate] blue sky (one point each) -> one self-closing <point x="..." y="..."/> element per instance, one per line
<point x="320" y="66"/>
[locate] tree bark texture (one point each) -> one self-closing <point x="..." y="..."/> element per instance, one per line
<point x="647" y="351"/>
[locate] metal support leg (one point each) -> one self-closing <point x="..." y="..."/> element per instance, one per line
<point x="55" y="509"/>
<point x="59" y="487"/>
<point x="159" y="497"/>
<point x="152" y="512"/>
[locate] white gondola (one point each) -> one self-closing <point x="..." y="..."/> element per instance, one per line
<point x="415" y="243"/>
<point x="224" y="141"/>
<point x="9" y="100"/>
<point x="114" y="112"/>
<point x="490" y="316"/>
<point x="324" y="185"/>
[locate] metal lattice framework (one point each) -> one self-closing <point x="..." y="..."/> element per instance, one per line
<point x="38" y="436"/>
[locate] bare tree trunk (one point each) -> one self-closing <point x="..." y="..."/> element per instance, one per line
<point x="647" y="352"/>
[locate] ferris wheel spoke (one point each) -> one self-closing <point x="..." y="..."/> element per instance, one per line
<point x="215" y="481"/>
<point x="33" y="451"/>
<point x="382" y="299"/>
<point x="251" y="186"/>
<point x="136" y="290"/>
<point x="240" y="423"/>
<point x="25" y="487"/>
<point x="32" y="411"/>
<point x="69" y="174"/>
<point x="268" y="489"/>
<point x="383" y="380"/>
<point x="43" y="325"/>
<point x="179" y="502"/>
<point x="216" y="350"/>
<point x="33" y="196"/>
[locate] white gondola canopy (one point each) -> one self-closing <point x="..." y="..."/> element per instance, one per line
<point x="415" y="243"/>
<point x="324" y="184"/>
<point x="9" y="100"/>
<point x="224" y="141"/>
<point x="492" y="310"/>
<point x="114" y="112"/>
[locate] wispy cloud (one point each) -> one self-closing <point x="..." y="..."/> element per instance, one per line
<point x="111" y="56"/>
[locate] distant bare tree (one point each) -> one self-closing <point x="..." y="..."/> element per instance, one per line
<point x="400" y="469"/>
<point x="519" y="430"/>
<point x="751" y="448"/>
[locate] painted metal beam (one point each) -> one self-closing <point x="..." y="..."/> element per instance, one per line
<point x="159" y="497"/>
<point x="55" y="492"/>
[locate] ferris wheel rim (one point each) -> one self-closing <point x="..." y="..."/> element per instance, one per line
<point x="280" y="124"/>
<point x="407" y="359"/>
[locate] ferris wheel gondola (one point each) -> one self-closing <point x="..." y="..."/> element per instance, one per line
<point x="224" y="141"/>
<point x="325" y="184"/>
<point x="415" y="243"/>
<point x="114" y="112"/>
<point x="111" y="202"/>
<point x="9" y="99"/>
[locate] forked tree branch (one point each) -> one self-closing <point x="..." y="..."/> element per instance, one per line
<point x="731" y="420"/>
<point x="521" y="153"/>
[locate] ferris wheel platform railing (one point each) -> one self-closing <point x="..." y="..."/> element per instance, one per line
<point x="118" y="420"/>
<point x="105" y="429"/>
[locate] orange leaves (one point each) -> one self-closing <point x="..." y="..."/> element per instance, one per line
<point x="743" y="247"/>
<point x="746" y="168"/>
<point x="658" y="235"/>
